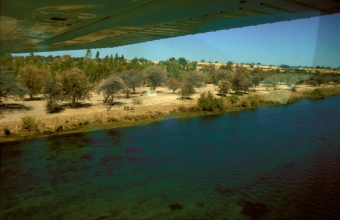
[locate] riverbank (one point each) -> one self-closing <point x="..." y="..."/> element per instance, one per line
<point x="152" y="109"/>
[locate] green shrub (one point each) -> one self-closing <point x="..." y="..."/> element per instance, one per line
<point x="233" y="99"/>
<point x="207" y="102"/>
<point x="254" y="102"/>
<point x="317" y="94"/>
<point x="245" y="103"/>
<point x="29" y="123"/>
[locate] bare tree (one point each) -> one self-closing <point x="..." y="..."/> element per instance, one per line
<point x="110" y="87"/>
<point x="196" y="78"/>
<point x="156" y="75"/>
<point x="132" y="78"/>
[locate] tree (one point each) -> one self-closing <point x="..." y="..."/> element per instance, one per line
<point x="9" y="85"/>
<point x="97" y="55"/>
<point x="156" y="76"/>
<point x="195" y="78"/>
<point x="32" y="78"/>
<point x="229" y="65"/>
<point x="241" y="81"/>
<point x="219" y="75"/>
<point x="110" y="87"/>
<point x="187" y="90"/>
<point x="132" y="78"/>
<point x="52" y="91"/>
<point x="88" y="54"/>
<point x="7" y="61"/>
<point x="182" y="61"/>
<point x="75" y="86"/>
<point x="173" y="84"/>
<point x="223" y="87"/>
<point x="256" y="80"/>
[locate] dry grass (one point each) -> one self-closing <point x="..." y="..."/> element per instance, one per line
<point x="50" y="125"/>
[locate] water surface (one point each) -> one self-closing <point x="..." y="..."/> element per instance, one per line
<point x="270" y="163"/>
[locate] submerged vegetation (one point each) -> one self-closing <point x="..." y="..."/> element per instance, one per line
<point x="65" y="81"/>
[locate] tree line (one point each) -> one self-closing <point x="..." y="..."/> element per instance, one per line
<point x="72" y="80"/>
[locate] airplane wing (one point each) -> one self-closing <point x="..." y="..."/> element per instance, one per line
<point x="40" y="26"/>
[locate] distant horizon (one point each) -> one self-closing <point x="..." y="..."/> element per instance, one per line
<point x="305" y="42"/>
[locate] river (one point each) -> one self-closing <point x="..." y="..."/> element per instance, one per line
<point x="278" y="162"/>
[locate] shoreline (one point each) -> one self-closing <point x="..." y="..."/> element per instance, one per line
<point x="69" y="124"/>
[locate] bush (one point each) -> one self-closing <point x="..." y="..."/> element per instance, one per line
<point x="233" y="99"/>
<point x="208" y="102"/>
<point x="29" y="123"/>
<point x="59" y="128"/>
<point x="7" y="132"/>
<point x="254" y="102"/>
<point x="50" y="107"/>
<point x="245" y="103"/>
<point x="137" y="101"/>
<point x="317" y="94"/>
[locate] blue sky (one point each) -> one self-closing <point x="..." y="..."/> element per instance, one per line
<point x="306" y="42"/>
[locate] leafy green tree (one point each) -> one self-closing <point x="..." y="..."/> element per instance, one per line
<point x="173" y="84"/>
<point x="88" y="54"/>
<point x="173" y="67"/>
<point x="132" y="79"/>
<point x="187" y="90"/>
<point x="156" y="76"/>
<point x="110" y="87"/>
<point x="32" y="78"/>
<point x="97" y="55"/>
<point x="75" y="86"/>
<point x="135" y="64"/>
<point x="223" y="87"/>
<point x="9" y="85"/>
<point x="182" y="61"/>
